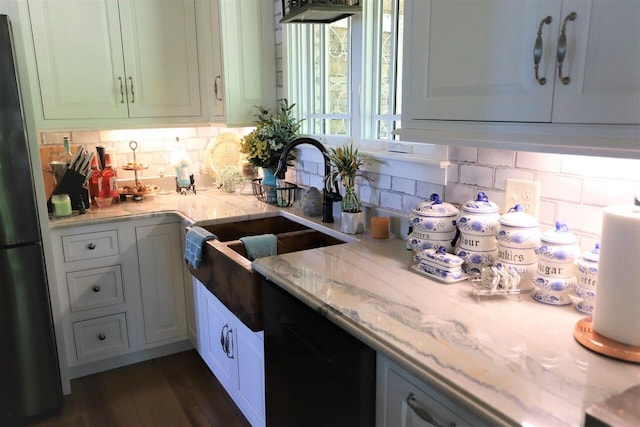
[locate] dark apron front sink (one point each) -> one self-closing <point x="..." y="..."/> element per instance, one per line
<point x="227" y="273"/>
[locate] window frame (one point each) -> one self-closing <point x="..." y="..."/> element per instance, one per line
<point x="364" y="45"/>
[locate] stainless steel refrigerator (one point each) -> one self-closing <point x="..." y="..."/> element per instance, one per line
<point x="29" y="372"/>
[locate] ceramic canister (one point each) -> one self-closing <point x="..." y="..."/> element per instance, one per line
<point x="518" y="235"/>
<point x="477" y="224"/>
<point x="433" y="224"/>
<point x="558" y="247"/>
<point x="587" y="267"/>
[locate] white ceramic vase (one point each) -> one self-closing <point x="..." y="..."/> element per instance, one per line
<point x="352" y="223"/>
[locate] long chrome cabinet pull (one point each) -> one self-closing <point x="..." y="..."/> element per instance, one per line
<point x="215" y="87"/>
<point x="423" y="414"/>
<point x="121" y="91"/>
<point x="537" y="50"/>
<point x="133" y="95"/>
<point x="562" y="47"/>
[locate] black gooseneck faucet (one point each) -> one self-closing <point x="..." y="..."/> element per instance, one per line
<point x="328" y="195"/>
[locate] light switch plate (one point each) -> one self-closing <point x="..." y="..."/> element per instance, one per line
<point x="523" y="192"/>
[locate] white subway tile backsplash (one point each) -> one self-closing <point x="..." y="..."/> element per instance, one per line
<point x="481" y="176"/>
<point x="538" y="161"/>
<point x="458" y="193"/>
<point x="380" y="181"/>
<point x="426" y="189"/>
<point x="403" y="185"/>
<point x="408" y="202"/>
<point x="453" y="173"/>
<point x="586" y="219"/>
<point x="547" y="213"/>
<point x="606" y="192"/>
<point x="559" y="187"/>
<point x="502" y="174"/>
<point x="463" y="154"/>
<point x="496" y="157"/>
<point x="391" y="200"/>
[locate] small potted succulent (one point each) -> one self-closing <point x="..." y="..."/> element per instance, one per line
<point x="346" y="162"/>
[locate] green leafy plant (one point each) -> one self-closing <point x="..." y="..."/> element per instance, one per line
<point x="346" y="162"/>
<point x="264" y="145"/>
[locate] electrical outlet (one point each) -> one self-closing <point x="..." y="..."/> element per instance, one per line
<point x="523" y="192"/>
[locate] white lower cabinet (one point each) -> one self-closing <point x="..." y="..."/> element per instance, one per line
<point x="404" y="401"/>
<point x="233" y="352"/>
<point x="121" y="291"/>
<point x="161" y="282"/>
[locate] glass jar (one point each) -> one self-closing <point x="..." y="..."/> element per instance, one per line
<point x="61" y="205"/>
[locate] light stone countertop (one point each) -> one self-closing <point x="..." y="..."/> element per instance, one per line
<point x="515" y="359"/>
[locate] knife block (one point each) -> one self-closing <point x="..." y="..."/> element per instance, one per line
<point x="72" y="183"/>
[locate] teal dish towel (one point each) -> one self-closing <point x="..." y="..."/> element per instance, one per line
<point x="194" y="242"/>
<point x="260" y="246"/>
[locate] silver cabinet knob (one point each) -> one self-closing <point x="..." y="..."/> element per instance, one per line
<point x="102" y="337"/>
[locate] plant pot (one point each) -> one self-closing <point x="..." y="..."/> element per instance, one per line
<point x="269" y="179"/>
<point x="228" y="186"/>
<point x="352" y="223"/>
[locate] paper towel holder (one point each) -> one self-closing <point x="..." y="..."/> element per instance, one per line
<point x="585" y="335"/>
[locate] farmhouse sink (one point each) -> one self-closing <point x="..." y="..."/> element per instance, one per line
<point x="253" y="227"/>
<point x="226" y="271"/>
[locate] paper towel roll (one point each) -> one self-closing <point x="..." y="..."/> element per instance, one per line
<point x="617" y="305"/>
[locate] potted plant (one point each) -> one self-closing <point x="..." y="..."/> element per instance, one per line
<point x="346" y="162"/>
<point x="265" y="143"/>
<point x="228" y="177"/>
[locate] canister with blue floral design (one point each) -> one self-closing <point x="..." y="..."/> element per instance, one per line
<point x="477" y="224"/>
<point x="518" y="236"/>
<point x="433" y="224"/>
<point x="587" y="276"/>
<point x="556" y="255"/>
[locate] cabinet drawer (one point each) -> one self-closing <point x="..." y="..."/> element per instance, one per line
<point x="90" y="245"/>
<point x="95" y="288"/>
<point x="101" y="337"/>
<point x="408" y="405"/>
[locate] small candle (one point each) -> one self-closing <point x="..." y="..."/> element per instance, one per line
<point x="61" y="205"/>
<point x="380" y="227"/>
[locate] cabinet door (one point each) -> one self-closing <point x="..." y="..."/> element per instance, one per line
<point x="161" y="280"/>
<point x="216" y="86"/>
<point x="78" y="52"/>
<point x="248" y="35"/>
<point x="473" y="60"/>
<point x="251" y="375"/>
<point x="161" y="57"/>
<point x="602" y="62"/>
<point x="218" y="327"/>
<point x="403" y="401"/>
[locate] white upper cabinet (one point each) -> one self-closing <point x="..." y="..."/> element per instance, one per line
<point x="161" y="57"/>
<point x="108" y="59"/>
<point x="474" y="61"/>
<point x="602" y="63"/>
<point x="242" y="60"/>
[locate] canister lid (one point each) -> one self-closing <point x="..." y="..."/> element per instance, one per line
<point x="434" y="207"/>
<point x="559" y="235"/>
<point x="517" y="217"/>
<point x="480" y="205"/>
<point x="592" y="255"/>
<point x="439" y="257"/>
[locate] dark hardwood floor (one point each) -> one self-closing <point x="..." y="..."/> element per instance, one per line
<point x="176" y="390"/>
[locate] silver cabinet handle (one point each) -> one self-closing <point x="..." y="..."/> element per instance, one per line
<point x="96" y="288"/>
<point x="229" y="343"/>
<point x="133" y="95"/>
<point x="562" y="47"/>
<point x="215" y="87"/>
<point x="91" y="246"/>
<point x="102" y="337"/>
<point x="121" y="91"/>
<point x="537" y="50"/>
<point x="423" y="413"/>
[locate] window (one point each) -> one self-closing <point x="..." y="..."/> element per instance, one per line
<point x="345" y="76"/>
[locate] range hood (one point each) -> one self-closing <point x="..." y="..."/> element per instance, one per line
<point x="318" y="11"/>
